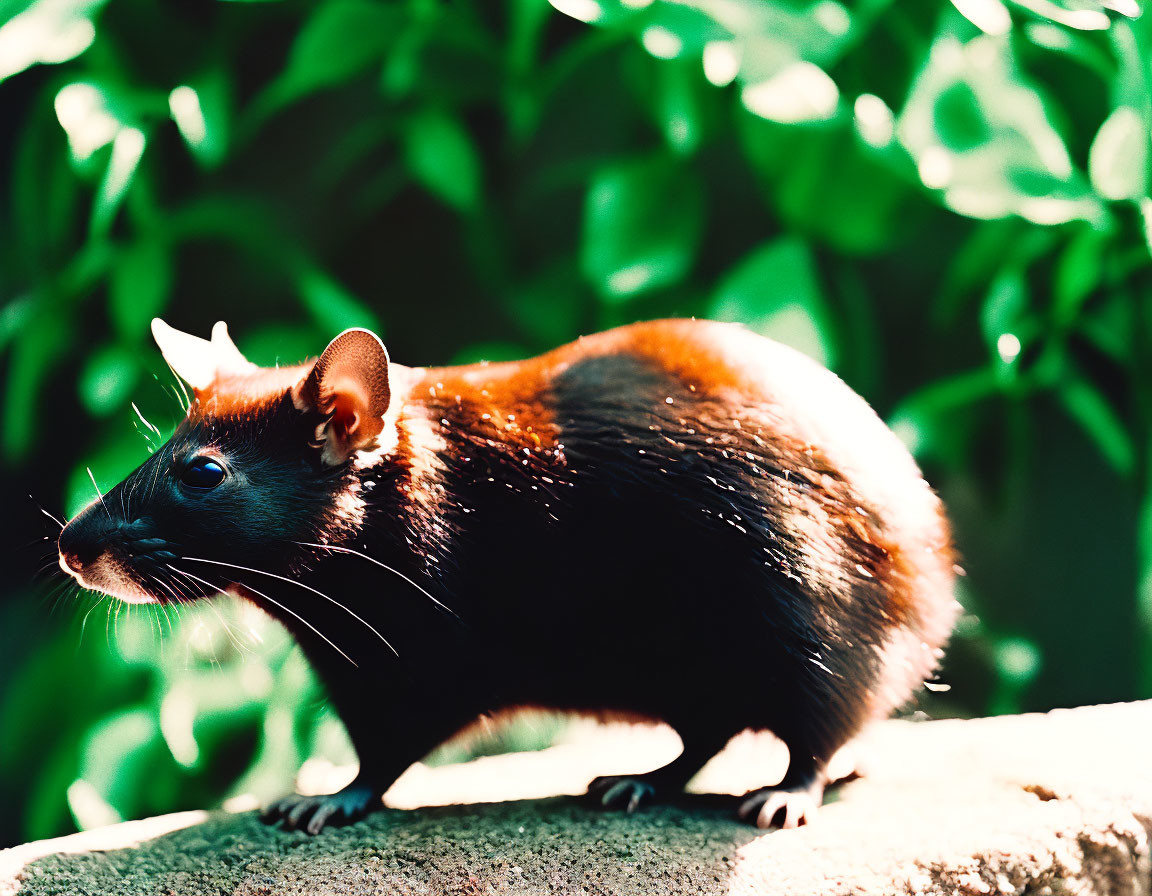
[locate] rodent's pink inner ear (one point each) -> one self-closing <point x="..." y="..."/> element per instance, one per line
<point x="349" y="384"/>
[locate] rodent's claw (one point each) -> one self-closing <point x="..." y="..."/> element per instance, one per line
<point x="314" y="813"/>
<point x="785" y="808"/>
<point x="619" y="792"/>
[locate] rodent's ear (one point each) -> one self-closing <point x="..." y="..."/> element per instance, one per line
<point x="349" y="385"/>
<point x="199" y="361"/>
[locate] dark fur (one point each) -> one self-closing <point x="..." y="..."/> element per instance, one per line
<point x="638" y="559"/>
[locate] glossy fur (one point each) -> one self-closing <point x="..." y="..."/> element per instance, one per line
<point x="675" y="520"/>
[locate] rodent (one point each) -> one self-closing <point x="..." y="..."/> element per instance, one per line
<point x="676" y="520"/>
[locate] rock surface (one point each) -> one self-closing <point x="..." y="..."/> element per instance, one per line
<point x="1056" y="803"/>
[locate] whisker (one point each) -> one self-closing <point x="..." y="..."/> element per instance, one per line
<point x="394" y="571"/>
<point x="187" y="403"/>
<point x="239" y="645"/>
<point x="47" y="514"/>
<point x="332" y="600"/>
<point x="98" y="492"/>
<point x="84" y="621"/>
<point x="274" y="603"/>
<point x="145" y="421"/>
<point x="56" y="593"/>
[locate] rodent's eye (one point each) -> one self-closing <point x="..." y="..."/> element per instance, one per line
<point x="202" y="473"/>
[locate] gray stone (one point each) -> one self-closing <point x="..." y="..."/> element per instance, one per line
<point x="1042" y="804"/>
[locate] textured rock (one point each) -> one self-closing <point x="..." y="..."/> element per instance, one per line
<point x="1057" y="803"/>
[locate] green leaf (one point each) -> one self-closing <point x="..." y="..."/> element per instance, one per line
<point x="827" y="184"/>
<point x="44" y="340"/>
<point x="1078" y="272"/>
<point x="282" y="344"/>
<point x="679" y="101"/>
<point x="139" y="288"/>
<point x="340" y="40"/>
<point x="332" y="306"/>
<point x="1088" y="407"/>
<point x="923" y="419"/>
<point x="775" y="291"/>
<point x="959" y="122"/>
<point x="441" y="156"/>
<point x="1005" y="304"/>
<point x="642" y="225"/>
<point x="108" y="378"/>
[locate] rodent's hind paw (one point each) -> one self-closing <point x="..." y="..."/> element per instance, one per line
<point x="621" y="792"/>
<point x="781" y="807"/>
<point x="314" y="813"/>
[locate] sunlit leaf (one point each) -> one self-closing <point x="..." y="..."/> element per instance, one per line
<point x="107" y="379"/>
<point x="678" y="105"/>
<point x="440" y="155"/>
<point x="1018" y="661"/>
<point x="127" y="149"/>
<point x="46" y="31"/>
<point x="642" y="224"/>
<point x="200" y="111"/>
<point x="1003" y="307"/>
<point x="990" y="16"/>
<point x="88" y="115"/>
<point x="1118" y="162"/>
<point x="1084" y="15"/>
<point x="980" y="134"/>
<point x="775" y="291"/>
<point x="797" y="93"/>
<point x="125" y="767"/>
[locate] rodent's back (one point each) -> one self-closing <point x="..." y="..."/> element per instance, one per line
<point x="748" y="450"/>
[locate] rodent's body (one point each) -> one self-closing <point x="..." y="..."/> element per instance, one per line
<point x="676" y="520"/>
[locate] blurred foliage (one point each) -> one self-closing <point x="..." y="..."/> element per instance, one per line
<point x="947" y="203"/>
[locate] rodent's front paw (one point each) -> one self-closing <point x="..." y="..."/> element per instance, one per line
<point x="785" y="807"/>
<point x="620" y="792"/>
<point x="314" y="813"/>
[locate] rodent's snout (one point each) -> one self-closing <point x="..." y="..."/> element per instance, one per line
<point x="78" y="547"/>
<point x="91" y="551"/>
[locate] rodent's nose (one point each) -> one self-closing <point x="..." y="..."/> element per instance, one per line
<point x="70" y="562"/>
<point x="80" y="543"/>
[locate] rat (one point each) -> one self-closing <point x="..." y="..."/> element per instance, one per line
<point x="677" y="520"/>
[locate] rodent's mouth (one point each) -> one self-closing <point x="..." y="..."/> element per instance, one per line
<point x="126" y="561"/>
<point x="109" y="575"/>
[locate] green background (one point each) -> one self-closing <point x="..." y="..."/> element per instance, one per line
<point x="947" y="204"/>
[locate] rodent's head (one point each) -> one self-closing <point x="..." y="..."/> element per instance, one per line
<point x="262" y="462"/>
